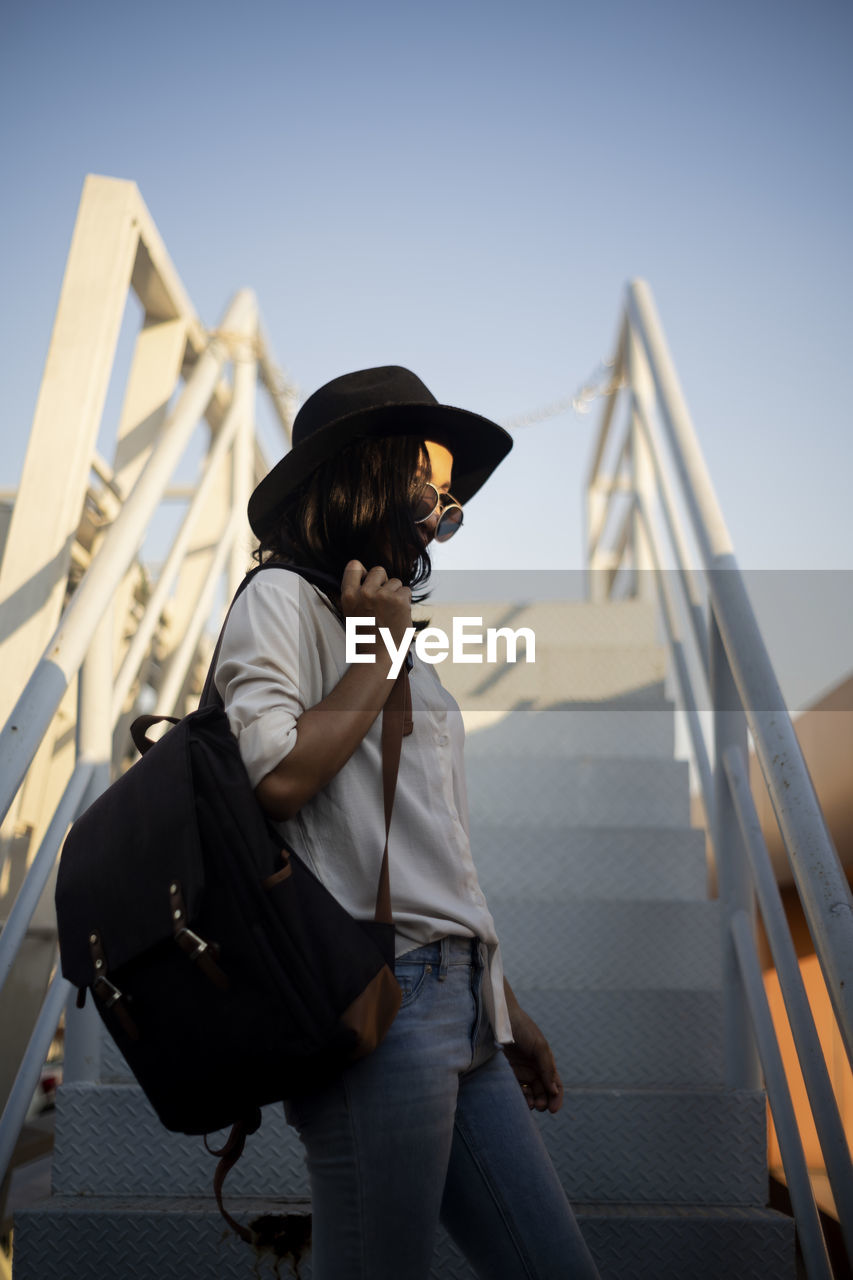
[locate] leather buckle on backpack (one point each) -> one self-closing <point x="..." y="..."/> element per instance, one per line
<point x="113" y="994"/>
<point x="194" y="945"/>
<point x="202" y="953"/>
<point x="106" y="992"/>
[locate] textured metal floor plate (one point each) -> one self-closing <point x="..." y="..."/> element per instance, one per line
<point x="149" y="1239"/>
<point x="570" y="731"/>
<point x="665" y="1242"/>
<point x="660" y="1146"/>
<point x="559" y="623"/>
<point x="632" y="1039"/>
<point x="628" y="863"/>
<point x="601" y="1037"/>
<point x="580" y="792"/>
<point x="614" y="945"/>
<point x="673" y="1145"/>
<point x="83" y="1238"/>
<point x="579" y="820"/>
<point x="553" y="676"/>
<point x="108" y="1139"/>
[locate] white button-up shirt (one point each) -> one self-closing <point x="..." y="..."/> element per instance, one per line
<point x="283" y="652"/>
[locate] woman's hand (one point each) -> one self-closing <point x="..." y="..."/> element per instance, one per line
<point x="532" y="1061"/>
<point x="372" y="594"/>
<point x="328" y="733"/>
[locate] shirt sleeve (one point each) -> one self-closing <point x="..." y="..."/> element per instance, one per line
<point x="266" y="673"/>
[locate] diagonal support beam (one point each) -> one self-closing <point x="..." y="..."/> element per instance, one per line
<point x="65" y="427"/>
<point x="20" y="737"/>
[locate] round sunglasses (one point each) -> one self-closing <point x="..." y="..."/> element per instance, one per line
<point x="450" y="519"/>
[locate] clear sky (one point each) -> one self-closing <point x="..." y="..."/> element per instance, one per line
<point x="465" y="188"/>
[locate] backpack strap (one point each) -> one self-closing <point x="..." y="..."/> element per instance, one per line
<point x="393" y="729"/>
<point x="396" y="722"/>
<point x="396" y="719"/>
<point x="228" y="1157"/>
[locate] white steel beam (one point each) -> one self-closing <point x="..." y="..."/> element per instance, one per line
<point x="65" y="426"/>
<point x="180" y="663"/>
<point x="66" y="649"/>
<point x="282" y="394"/>
<point x="142" y="636"/>
<point x="154" y="373"/>
<point x="245" y="379"/>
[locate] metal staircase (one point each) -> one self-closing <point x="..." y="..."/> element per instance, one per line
<point x="649" y="991"/>
<point x="580" y="822"/>
<point x="598" y="884"/>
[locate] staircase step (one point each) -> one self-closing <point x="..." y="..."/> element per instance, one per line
<point x="613" y="624"/>
<point x="109" y="1139"/>
<point x="149" y="1238"/>
<point x="570" y="731"/>
<point x="585" y="654"/>
<point x="665" y="1037"/>
<point x="559" y="863"/>
<point x="579" y="793"/>
<point x="81" y="1238"/>
<point x="678" y="1145"/>
<point x="668" y="1242"/>
<point x="666" y="1146"/>
<point x="633" y="1039"/>
<point x="594" y="945"/>
<point x="558" y="676"/>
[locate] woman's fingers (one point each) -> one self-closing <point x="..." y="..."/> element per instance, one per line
<point x="354" y="574"/>
<point x="371" y="593"/>
<point x="376" y="579"/>
<point x="549" y="1093"/>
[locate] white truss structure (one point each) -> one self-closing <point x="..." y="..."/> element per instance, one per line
<point x="92" y="637"/>
<point x="86" y="630"/>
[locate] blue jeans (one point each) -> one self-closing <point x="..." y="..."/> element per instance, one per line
<point x="433" y="1125"/>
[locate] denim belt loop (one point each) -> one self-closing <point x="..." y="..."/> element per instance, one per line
<point x="445" y="959"/>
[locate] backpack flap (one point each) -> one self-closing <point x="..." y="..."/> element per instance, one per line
<point x="123" y="856"/>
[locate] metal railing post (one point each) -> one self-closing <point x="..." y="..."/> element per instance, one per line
<point x="35" y="708"/>
<point x="94" y="743"/>
<point x="821" y="883"/>
<point x="15" y="929"/>
<point x="824" y="1108"/>
<point x="597" y="490"/>
<point x="177" y="552"/>
<point x="245" y="378"/>
<point x="733" y="877"/>
<point x="15" y="1111"/>
<point x="812" y="1243"/>
<point x="642" y="471"/>
<point x="744" y="695"/>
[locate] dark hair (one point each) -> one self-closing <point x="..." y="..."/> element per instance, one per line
<point x="358" y="505"/>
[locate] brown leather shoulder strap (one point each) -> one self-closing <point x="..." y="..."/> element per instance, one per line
<point x="394" y="716"/>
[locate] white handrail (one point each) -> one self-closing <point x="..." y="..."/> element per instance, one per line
<point x="744" y="690"/>
<point x="802" y="1197"/>
<point x="18" y="921"/>
<point x="15" y="1111"/>
<point x="85" y="642"/>
<point x="820" y="880"/>
<point x="169" y="572"/>
<point x="34" y="710"/>
<point x="824" y="1107"/>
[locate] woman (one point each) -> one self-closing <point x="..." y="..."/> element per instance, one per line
<point x="436" y="1123"/>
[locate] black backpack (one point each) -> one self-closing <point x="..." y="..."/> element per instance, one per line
<point x="228" y="976"/>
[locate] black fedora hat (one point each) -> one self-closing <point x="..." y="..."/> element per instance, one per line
<point x="378" y="402"/>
